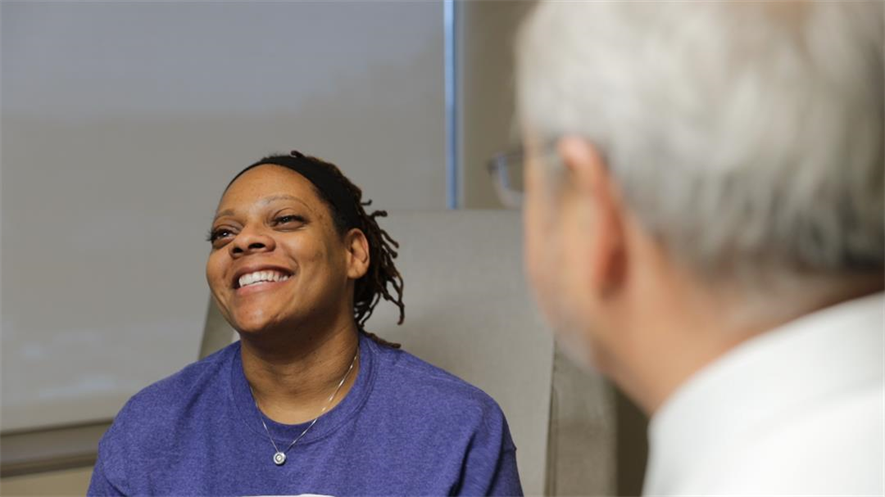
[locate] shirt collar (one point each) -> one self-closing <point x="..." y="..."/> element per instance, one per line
<point x="809" y="359"/>
<point x="327" y="423"/>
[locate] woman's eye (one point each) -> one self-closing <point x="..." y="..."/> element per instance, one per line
<point x="288" y="219"/>
<point x="218" y="234"/>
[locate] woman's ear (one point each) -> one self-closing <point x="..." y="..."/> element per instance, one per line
<point x="358" y="258"/>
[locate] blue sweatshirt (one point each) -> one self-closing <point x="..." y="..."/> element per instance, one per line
<point x="405" y="428"/>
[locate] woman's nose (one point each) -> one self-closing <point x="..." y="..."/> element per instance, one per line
<point x="251" y="241"/>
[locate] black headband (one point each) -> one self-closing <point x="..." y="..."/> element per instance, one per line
<point x="323" y="179"/>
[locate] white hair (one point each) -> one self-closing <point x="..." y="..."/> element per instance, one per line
<point x="744" y="136"/>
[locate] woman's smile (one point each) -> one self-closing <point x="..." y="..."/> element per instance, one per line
<point x="259" y="282"/>
<point x="257" y="278"/>
<point x="260" y="277"/>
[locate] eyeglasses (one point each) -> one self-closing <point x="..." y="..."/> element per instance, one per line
<point x="508" y="172"/>
<point x="508" y="176"/>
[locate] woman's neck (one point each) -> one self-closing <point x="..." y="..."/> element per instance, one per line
<point x="292" y="377"/>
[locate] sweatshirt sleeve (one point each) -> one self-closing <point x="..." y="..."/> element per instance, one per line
<point x="490" y="463"/>
<point x="100" y="485"/>
<point x="109" y="474"/>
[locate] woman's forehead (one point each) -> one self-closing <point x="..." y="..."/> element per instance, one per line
<point x="266" y="184"/>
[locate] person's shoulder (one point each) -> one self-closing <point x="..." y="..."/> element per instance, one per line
<point x="427" y="387"/>
<point x="162" y="400"/>
<point x="180" y="386"/>
<point x="848" y="423"/>
<point x="146" y="422"/>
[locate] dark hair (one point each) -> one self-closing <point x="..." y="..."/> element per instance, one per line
<point x="345" y="202"/>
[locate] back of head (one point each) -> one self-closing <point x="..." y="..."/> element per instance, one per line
<point x="746" y="137"/>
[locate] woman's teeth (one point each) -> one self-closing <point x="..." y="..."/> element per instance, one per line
<point x="261" y="277"/>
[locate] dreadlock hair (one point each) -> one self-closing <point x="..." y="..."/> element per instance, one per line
<point x="382" y="273"/>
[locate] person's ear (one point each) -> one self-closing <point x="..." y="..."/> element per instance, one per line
<point x="358" y="258"/>
<point x="600" y="209"/>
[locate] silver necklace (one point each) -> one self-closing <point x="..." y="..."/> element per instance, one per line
<point x="279" y="457"/>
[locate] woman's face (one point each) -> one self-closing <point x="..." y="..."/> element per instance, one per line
<point x="277" y="260"/>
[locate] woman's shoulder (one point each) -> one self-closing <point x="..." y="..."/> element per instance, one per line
<point x="421" y="383"/>
<point x="162" y="399"/>
<point x="147" y="424"/>
<point x="189" y="378"/>
<point x="426" y="400"/>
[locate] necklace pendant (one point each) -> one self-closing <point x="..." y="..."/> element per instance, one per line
<point x="279" y="458"/>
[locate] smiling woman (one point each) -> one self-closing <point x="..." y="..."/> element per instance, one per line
<point x="307" y="402"/>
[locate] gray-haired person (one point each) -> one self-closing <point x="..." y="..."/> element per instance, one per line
<point x="704" y="224"/>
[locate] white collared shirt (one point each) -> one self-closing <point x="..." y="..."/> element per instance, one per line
<point x="795" y="411"/>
